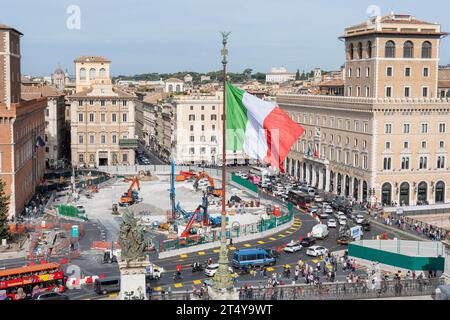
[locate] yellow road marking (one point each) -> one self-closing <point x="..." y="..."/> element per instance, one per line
<point x="201" y="253"/>
<point x="216" y="250"/>
<point x="287" y="265"/>
<point x="157" y="289"/>
<point x="281" y="235"/>
<point x="269" y="269"/>
<point x="273" y="239"/>
<point x="247" y="245"/>
<point x="178" y="285"/>
<point x="294" y="229"/>
<point x="197" y="282"/>
<point x="288" y="232"/>
<point x="183" y="255"/>
<point x="329" y="266"/>
<point x="232" y="248"/>
<point x="113" y="295"/>
<point x="261" y="242"/>
<point x="315" y="260"/>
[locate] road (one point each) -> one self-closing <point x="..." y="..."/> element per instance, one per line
<point x="301" y="227"/>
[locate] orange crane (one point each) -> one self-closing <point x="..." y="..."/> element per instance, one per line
<point x="131" y="196"/>
<point x="211" y="189"/>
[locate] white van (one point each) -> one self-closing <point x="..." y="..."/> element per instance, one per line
<point x="320" y="231"/>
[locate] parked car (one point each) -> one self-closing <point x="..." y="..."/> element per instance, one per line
<point x="211" y="270"/>
<point x="50" y="296"/>
<point x="332" y="223"/>
<point x="342" y="220"/>
<point x="318" y="199"/>
<point x="323" y="214"/>
<point x="293" y="246"/>
<point x="307" y="242"/>
<point x="344" y="239"/>
<point x="359" y="219"/>
<point x="366" y="225"/>
<point x="316" y="251"/>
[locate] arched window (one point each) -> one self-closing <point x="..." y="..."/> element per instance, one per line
<point x="178" y="88"/>
<point x="426" y="50"/>
<point x="92" y="74"/>
<point x="390" y="49"/>
<point x="386" y="194"/>
<point x="422" y="192"/>
<point x="369" y="49"/>
<point x="360" y="51"/>
<point x="408" y="50"/>
<point x="170" y="88"/>
<point x="440" y="192"/>
<point x="350" y="51"/>
<point x="404" y="194"/>
<point x="82" y="74"/>
<point x="102" y="73"/>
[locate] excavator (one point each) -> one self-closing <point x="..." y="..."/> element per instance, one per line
<point x="203" y="207"/>
<point x="131" y="196"/>
<point x="211" y="190"/>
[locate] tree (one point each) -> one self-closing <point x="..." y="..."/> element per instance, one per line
<point x="248" y="73"/>
<point x="4" y="208"/>
<point x="297" y="75"/>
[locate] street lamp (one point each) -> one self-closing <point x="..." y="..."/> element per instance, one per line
<point x="222" y="280"/>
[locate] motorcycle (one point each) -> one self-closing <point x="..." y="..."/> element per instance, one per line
<point x="177" y="276"/>
<point x="197" y="268"/>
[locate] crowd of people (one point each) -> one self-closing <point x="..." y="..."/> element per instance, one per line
<point x="406" y="223"/>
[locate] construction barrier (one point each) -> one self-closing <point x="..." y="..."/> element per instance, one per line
<point x="102" y="245"/>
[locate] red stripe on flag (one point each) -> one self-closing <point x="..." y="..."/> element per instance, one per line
<point x="281" y="134"/>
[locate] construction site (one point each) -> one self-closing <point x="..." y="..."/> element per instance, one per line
<point x="184" y="206"/>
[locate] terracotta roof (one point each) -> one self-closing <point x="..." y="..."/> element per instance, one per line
<point x="444" y="84"/>
<point x="332" y="83"/>
<point x="5" y="27"/>
<point x="35" y="92"/>
<point x="174" y="80"/>
<point x="91" y="59"/>
<point x="153" y="98"/>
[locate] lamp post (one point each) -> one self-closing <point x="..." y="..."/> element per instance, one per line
<point x="222" y="281"/>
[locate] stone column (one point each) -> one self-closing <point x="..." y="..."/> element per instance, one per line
<point x="328" y="180"/>
<point x="351" y="186"/>
<point x="132" y="280"/>
<point x="360" y="190"/>
<point x="313" y="180"/>
<point x="308" y="173"/>
<point x="320" y="185"/>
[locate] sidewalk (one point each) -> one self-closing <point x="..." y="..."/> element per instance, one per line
<point x="398" y="231"/>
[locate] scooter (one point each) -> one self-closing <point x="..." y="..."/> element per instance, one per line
<point x="197" y="268"/>
<point x="177" y="276"/>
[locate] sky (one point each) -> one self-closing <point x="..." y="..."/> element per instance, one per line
<point x="144" y="36"/>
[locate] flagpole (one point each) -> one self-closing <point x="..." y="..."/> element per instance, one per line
<point x="222" y="279"/>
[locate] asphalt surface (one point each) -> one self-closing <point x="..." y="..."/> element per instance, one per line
<point x="89" y="263"/>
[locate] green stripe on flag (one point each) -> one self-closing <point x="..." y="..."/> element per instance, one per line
<point x="236" y="118"/>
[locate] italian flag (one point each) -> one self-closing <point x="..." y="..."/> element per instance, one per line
<point x="259" y="128"/>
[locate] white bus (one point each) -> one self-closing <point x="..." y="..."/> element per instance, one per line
<point x="261" y="171"/>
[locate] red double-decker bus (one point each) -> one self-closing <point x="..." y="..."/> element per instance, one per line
<point x="26" y="282"/>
